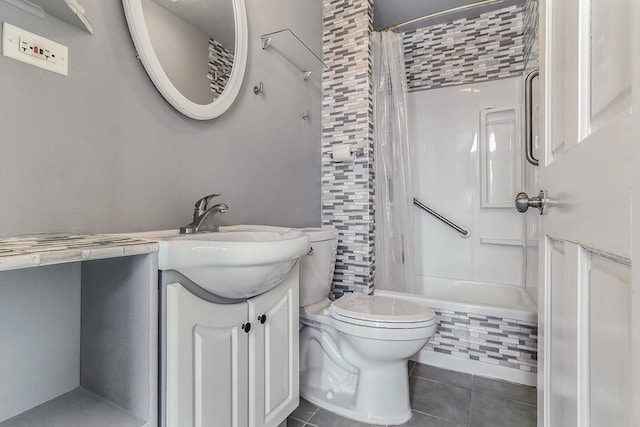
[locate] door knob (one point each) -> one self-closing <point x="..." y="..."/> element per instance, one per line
<point x="524" y="202"/>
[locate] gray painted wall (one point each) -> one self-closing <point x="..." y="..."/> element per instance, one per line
<point x="101" y="151"/>
<point x="40" y="333"/>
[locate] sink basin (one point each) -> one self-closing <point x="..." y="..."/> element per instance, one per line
<point x="237" y="262"/>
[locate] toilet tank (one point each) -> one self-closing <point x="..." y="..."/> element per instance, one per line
<point x="316" y="268"/>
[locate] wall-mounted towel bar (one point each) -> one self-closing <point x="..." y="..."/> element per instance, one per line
<point x="464" y="232"/>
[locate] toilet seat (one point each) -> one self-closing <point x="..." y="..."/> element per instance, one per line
<point x="380" y="312"/>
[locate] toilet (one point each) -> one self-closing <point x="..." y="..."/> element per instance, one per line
<point x="354" y="351"/>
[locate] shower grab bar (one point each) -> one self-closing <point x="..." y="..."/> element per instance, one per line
<point x="464" y="232"/>
<point x="528" y="117"/>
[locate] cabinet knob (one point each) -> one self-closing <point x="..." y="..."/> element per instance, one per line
<point x="246" y="327"/>
<point x="262" y="318"/>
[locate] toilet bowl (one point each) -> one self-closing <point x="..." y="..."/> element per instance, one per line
<point x="354" y="351"/>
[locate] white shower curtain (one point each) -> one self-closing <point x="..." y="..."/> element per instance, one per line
<point x="394" y="195"/>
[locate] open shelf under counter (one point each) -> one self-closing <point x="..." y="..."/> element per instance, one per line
<point x="78" y="407"/>
<point x="78" y="331"/>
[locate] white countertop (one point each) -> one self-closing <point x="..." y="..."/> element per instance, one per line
<point x="47" y="249"/>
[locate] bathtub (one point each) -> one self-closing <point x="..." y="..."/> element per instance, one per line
<point x="483" y="328"/>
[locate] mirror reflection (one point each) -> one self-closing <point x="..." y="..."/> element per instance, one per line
<point x="194" y="41"/>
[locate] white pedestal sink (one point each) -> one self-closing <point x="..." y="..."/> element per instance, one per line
<point x="237" y="262"/>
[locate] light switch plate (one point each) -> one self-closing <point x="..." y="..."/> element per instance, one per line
<point x="33" y="49"/>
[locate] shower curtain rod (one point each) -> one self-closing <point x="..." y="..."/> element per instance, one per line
<point x="441" y="13"/>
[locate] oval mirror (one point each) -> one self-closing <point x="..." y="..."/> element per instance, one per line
<point x="194" y="51"/>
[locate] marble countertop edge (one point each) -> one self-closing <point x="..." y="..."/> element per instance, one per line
<point x="48" y="249"/>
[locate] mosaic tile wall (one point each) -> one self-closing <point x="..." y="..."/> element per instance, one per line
<point x="531" y="28"/>
<point x="499" y="341"/>
<point x="487" y="47"/>
<point x="347" y="118"/>
<point x="220" y="64"/>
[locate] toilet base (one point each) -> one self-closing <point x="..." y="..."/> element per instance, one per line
<point x="339" y="405"/>
<point x="382" y="397"/>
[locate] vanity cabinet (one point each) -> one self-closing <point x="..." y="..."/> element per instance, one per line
<point x="231" y="364"/>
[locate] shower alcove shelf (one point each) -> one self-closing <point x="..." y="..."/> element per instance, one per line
<point x="78" y="331"/>
<point x="295" y="51"/>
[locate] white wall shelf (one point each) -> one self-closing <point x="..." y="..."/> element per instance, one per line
<point x="294" y="50"/>
<point x="500" y="157"/>
<point x="502" y="242"/>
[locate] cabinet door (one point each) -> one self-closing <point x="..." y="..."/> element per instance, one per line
<point x="274" y="354"/>
<point x="207" y="359"/>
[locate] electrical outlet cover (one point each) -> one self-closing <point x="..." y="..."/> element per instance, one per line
<point x="34" y="50"/>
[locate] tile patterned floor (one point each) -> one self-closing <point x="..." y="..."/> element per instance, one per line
<point x="442" y="398"/>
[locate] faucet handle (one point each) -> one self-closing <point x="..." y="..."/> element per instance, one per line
<point x="203" y="204"/>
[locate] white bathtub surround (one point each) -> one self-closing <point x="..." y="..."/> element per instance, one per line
<point x="393" y="189"/>
<point x="445" y="132"/>
<point x="484" y="329"/>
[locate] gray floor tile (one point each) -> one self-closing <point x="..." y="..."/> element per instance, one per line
<point x="304" y="411"/>
<point x="440" y="400"/>
<point x="423" y="420"/>
<point x="294" y="423"/>
<point x="324" y="418"/>
<point x="512" y="391"/>
<point x="490" y="410"/>
<point x="457" y="379"/>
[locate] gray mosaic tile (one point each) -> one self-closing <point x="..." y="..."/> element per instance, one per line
<point x="220" y="65"/>
<point x="347" y="118"/>
<point x="486" y="47"/>
<point x="531" y="29"/>
<point x="498" y="342"/>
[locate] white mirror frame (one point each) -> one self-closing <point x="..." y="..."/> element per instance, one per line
<point x="146" y="53"/>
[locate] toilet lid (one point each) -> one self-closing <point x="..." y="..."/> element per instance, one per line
<point x="381" y="311"/>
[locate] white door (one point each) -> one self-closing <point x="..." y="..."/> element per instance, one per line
<point x="587" y="76"/>
<point x="274" y="354"/>
<point x="207" y="362"/>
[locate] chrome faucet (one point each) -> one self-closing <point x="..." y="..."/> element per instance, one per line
<point x="203" y="216"/>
